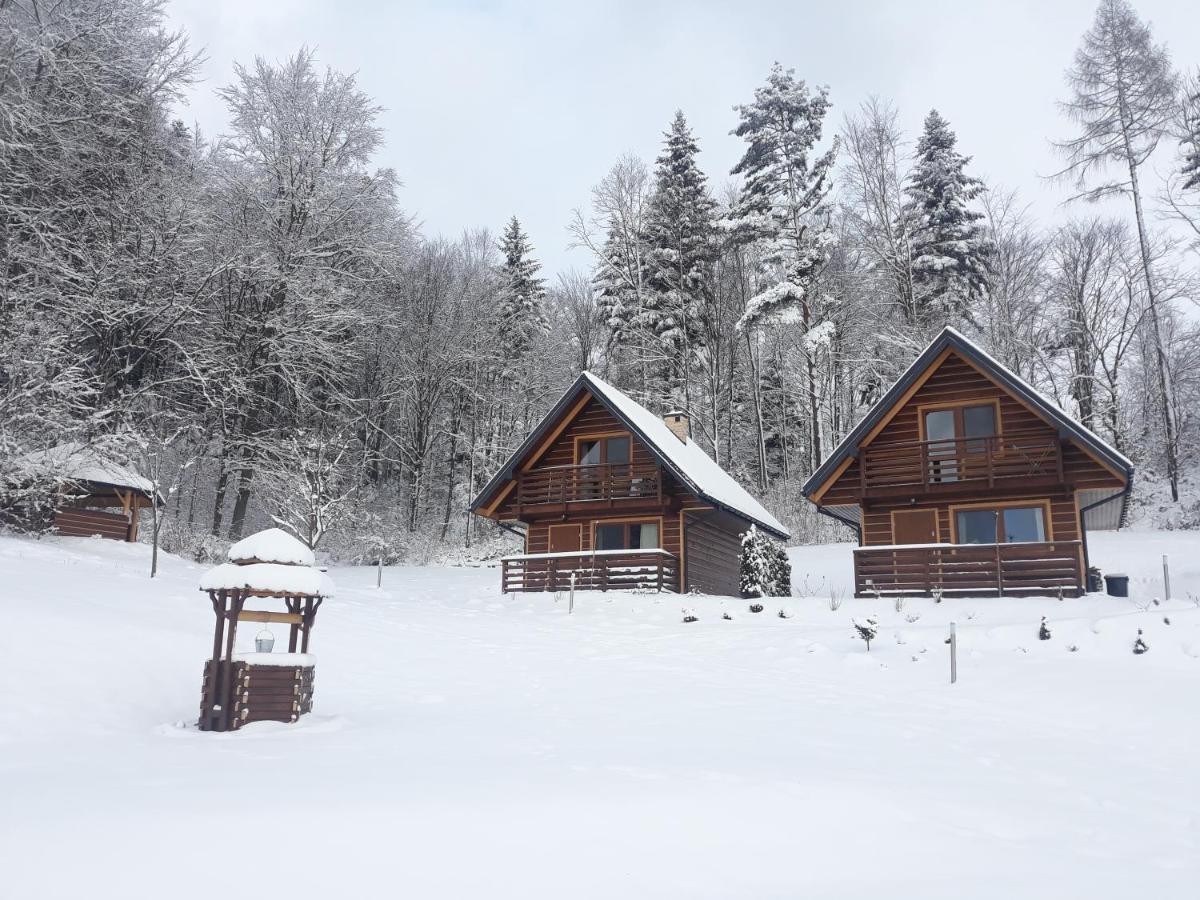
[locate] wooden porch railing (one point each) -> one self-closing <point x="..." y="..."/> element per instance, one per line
<point x="603" y="570"/>
<point x="570" y="484"/>
<point x="923" y="569"/>
<point x="978" y="461"/>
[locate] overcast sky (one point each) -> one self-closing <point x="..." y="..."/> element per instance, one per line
<point x="497" y="108"/>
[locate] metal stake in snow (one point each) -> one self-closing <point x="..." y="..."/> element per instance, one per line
<point x="1166" y="580"/>
<point x="571" y="600"/>
<point x="379" y="573"/>
<point x="953" y="654"/>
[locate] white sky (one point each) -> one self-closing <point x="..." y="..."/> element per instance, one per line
<point x="495" y="108"/>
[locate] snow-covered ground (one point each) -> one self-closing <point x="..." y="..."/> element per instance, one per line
<point x="465" y="744"/>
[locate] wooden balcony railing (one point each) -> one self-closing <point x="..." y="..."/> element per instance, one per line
<point x="603" y="570"/>
<point x="992" y="461"/>
<point x="985" y="569"/>
<point x="571" y="484"/>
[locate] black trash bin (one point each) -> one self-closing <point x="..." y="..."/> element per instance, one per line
<point x="1117" y="585"/>
<point x="1095" y="583"/>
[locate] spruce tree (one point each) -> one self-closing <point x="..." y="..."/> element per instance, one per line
<point x="522" y="312"/>
<point x="950" y="249"/>
<point x="679" y="236"/>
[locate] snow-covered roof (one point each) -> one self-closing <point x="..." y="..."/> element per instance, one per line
<point x="269" y="578"/>
<point x="684" y="459"/>
<point x="75" y="461"/>
<point x="695" y="467"/>
<point x="272" y="545"/>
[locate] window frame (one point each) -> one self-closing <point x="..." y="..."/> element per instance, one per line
<point x="1043" y="504"/>
<point x="603" y="438"/>
<point x="656" y="521"/>
<point x="958" y="407"/>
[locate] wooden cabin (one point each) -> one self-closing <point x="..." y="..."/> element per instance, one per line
<point x="94" y="494"/>
<point x="621" y="498"/>
<point x="963" y="479"/>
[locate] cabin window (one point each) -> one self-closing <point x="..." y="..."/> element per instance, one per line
<point x="604" y="450"/>
<point x="627" y="536"/>
<point x="1006" y="525"/>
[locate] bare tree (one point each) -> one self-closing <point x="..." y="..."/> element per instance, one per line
<point x="1124" y="100"/>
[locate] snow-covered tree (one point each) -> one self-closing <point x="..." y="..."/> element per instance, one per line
<point x="866" y="630"/>
<point x="783" y="198"/>
<point x="1124" y="98"/>
<point x="679" y="237"/>
<point x="1191" y="136"/>
<point x="783" y="206"/>
<point x="764" y="568"/>
<point x="522" y="313"/>
<point x="950" y="249"/>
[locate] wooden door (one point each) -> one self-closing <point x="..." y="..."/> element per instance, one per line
<point x="915" y="526"/>
<point x="566" y="538"/>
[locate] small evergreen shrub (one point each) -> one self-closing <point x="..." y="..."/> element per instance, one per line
<point x="756" y="607"/>
<point x="1140" y="646"/>
<point x="866" y="630"/>
<point x="1044" y="631"/>
<point x="764" y="567"/>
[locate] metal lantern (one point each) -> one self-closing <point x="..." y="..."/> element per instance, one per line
<point x="264" y="641"/>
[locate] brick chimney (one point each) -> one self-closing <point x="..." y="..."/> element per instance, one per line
<point x="680" y="424"/>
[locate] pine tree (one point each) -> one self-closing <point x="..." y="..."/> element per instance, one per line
<point x="950" y="250"/>
<point x="679" y="235"/>
<point x="522" y="310"/>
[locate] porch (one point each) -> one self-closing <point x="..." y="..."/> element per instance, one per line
<point x="921" y="570"/>
<point x="960" y="465"/>
<point x="600" y="570"/>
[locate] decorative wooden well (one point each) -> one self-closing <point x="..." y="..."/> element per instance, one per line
<point x="265" y="685"/>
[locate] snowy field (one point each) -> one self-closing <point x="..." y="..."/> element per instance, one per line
<point x="464" y="744"/>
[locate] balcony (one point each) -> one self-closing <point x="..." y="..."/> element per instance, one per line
<point x="602" y="570"/>
<point x="961" y="465"/>
<point x="923" y="570"/>
<point x="562" y="486"/>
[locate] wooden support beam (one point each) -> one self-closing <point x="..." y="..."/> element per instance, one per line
<point x="256" y="615"/>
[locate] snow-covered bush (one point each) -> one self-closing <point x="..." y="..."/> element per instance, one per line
<point x="1140" y="646"/>
<point x="756" y="607"/>
<point x="765" y="570"/>
<point x="1044" y="631"/>
<point x="690" y="616"/>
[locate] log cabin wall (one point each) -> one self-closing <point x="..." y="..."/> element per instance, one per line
<point x="954" y="380"/>
<point x="712" y="557"/>
<point x="1062" y="524"/>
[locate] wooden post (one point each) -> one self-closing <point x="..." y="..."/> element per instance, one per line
<point x="1166" y="580"/>
<point x="953" y="654"/>
<point x="571" y="599"/>
<point x="379" y="574"/>
<point x="999" y="574"/>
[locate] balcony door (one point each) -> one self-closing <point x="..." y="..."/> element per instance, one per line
<point x="949" y="434"/>
<point x="598" y="454"/>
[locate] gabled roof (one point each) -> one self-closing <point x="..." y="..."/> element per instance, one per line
<point x="952" y="339"/>
<point x="83" y="464"/>
<point x="693" y="467"/>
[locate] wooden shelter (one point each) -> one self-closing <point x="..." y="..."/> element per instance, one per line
<point x="964" y="479"/>
<point x="262" y="686"/>
<point x="607" y="491"/>
<point x="88" y="484"/>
